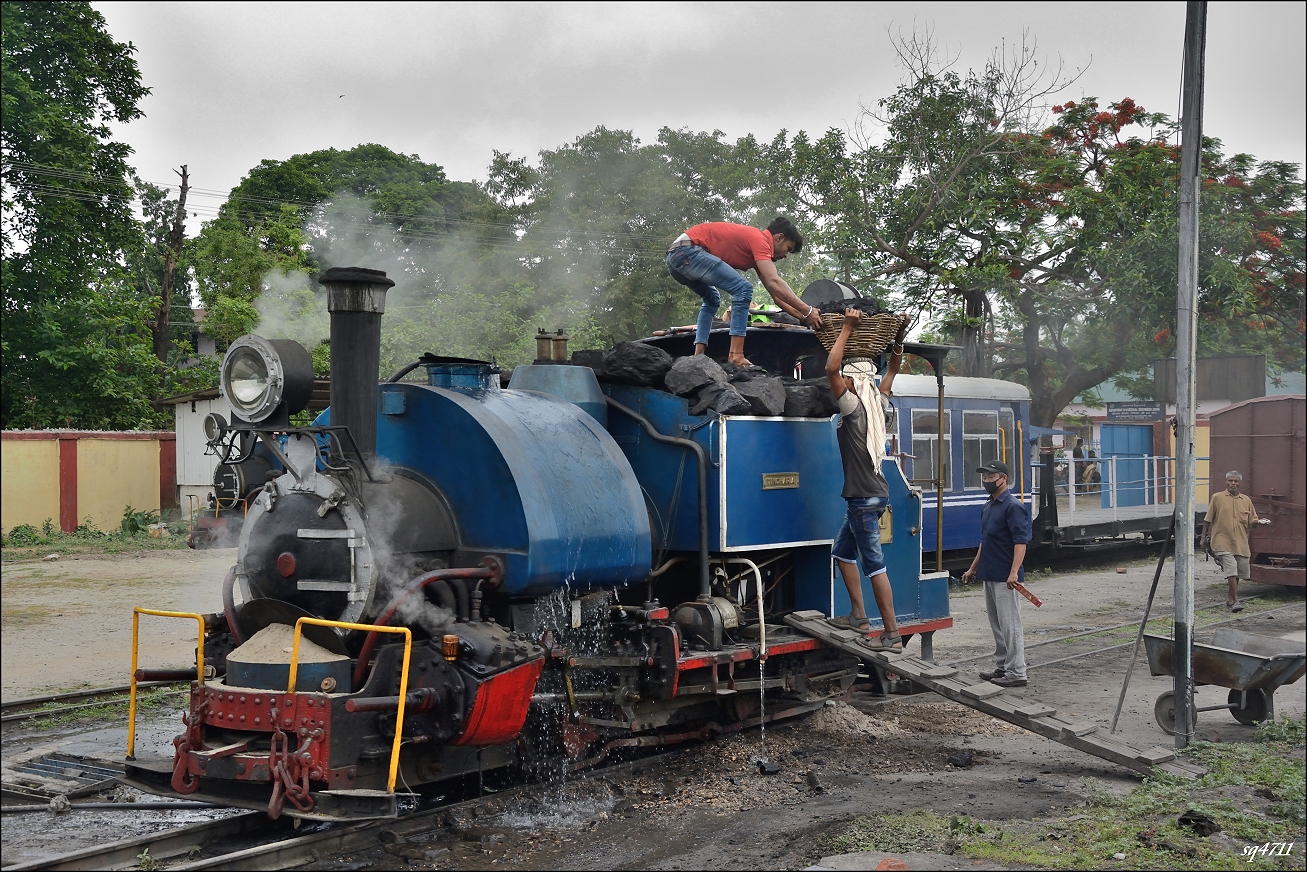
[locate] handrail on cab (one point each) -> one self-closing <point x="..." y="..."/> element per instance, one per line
<point x="199" y="664"/>
<point x="403" y="676"/>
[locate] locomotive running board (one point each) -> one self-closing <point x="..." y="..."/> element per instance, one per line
<point x="991" y="699"/>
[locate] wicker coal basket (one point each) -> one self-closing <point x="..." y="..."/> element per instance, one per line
<point x="873" y="335"/>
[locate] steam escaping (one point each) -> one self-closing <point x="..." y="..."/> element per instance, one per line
<point x="458" y="292"/>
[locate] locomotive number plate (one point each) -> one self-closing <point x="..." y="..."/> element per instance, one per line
<point x="779" y="480"/>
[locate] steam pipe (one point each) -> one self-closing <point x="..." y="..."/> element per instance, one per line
<point x="460" y="595"/>
<point x="229" y="605"/>
<point x="441" y="575"/>
<point x="421" y="700"/>
<point x="399" y="374"/>
<point x="445" y="595"/>
<point x="701" y="455"/>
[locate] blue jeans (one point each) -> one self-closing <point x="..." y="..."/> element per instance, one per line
<point x="706" y="275"/>
<point x="859" y="536"/>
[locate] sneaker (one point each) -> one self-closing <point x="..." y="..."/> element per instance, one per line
<point x="1004" y="681"/>
<point x="990" y="676"/>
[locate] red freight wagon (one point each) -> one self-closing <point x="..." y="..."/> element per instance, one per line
<point x="1266" y="440"/>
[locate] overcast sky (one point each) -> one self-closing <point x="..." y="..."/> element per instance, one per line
<point x="237" y="83"/>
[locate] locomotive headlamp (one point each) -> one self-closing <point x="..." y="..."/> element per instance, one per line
<point x="214" y="426"/>
<point x="260" y="375"/>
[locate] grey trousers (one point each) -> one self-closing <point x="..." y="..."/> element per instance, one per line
<point x="1003" y="606"/>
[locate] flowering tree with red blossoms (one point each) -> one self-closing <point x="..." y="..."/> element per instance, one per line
<point x="1045" y="245"/>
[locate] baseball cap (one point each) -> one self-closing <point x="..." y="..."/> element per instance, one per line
<point x="995" y="466"/>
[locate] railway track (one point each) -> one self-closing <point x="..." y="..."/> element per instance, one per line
<point x="252" y="841"/>
<point x="1132" y="625"/>
<point x="55" y="704"/>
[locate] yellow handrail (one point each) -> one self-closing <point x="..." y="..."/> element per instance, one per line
<point x="136" y="635"/>
<point x="1021" y="463"/>
<point x="403" y="675"/>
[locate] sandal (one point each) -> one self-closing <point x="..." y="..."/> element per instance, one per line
<point x="885" y="643"/>
<point x="848" y="622"/>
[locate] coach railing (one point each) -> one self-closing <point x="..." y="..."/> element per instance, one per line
<point x="1157" y="483"/>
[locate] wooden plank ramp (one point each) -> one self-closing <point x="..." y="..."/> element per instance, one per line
<point x="993" y="700"/>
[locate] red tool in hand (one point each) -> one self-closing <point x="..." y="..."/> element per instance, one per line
<point x="1036" y="601"/>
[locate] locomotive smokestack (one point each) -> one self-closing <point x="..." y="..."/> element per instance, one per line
<point x="356" y="299"/>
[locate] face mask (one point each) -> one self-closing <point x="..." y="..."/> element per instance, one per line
<point x="991" y="486"/>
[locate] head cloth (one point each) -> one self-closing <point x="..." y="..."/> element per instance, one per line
<point x="863" y="373"/>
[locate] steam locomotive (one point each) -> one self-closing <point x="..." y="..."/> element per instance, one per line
<point x="447" y="577"/>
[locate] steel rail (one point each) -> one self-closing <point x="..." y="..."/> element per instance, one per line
<point x="1107" y="630"/>
<point x="288" y="851"/>
<point x="18" y="705"/>
<point x="34" y="714"/>
<point x="1132" y="641"/>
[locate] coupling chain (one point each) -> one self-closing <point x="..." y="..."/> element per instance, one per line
<point x="183" y="780"/>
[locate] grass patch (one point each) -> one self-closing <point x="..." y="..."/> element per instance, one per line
<point x="1253" y="790"/>
<point x="148" y="701"/>
<point x="919" y="831"/>
<point x="28" y="549"/>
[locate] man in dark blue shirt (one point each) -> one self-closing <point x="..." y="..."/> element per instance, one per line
<point x="1004" y="532"/>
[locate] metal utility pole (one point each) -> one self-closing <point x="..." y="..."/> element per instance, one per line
<point x="1191" y="152"/>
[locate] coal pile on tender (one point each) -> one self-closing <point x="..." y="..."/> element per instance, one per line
<point x="864" y="304"/>
<point x="726" y="389"/>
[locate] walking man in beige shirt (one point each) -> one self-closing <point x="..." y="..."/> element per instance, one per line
<point x="1230" y="515"/>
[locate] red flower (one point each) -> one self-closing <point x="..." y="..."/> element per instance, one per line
<point x="1162" y="336"/>
<point x="1269" y="240"/>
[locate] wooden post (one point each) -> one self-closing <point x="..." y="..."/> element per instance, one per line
<point x="1191" y="153"/>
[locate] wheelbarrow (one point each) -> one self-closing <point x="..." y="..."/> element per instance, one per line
<point x="1251" y="665"/>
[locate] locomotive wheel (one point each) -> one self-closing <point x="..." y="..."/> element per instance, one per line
<point x="1253" y="711"/>
<point x="1164" y="713"/>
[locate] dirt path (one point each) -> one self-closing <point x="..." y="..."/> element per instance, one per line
<point x="68" y="623"/>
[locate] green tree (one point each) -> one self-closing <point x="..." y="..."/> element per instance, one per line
<point x="75" y="349"/>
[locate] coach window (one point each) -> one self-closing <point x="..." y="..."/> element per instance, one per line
<point x="1007" y="445"/>
<point x="980" y="444"/>
<point x="925" y="431"/>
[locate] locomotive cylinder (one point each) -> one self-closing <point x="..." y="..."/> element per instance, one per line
<point x="356" y="299"/>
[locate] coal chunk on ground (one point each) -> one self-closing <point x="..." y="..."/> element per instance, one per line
<point x="962" y="759"/>
<point x="689" y="374"/>
<point x="1199" y="823"/>
<point x="722" y="399"/>
<point x="636" y="363"/>
<point x="766" y="396"/>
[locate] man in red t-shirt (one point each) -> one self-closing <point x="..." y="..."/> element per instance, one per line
<point x="705" y="259"/>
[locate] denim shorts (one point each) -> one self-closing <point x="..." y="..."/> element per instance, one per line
<point x="859" y="536"/>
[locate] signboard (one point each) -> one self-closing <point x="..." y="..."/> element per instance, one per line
<point x="1139" y="410"/>
<point x="779" y="480"/>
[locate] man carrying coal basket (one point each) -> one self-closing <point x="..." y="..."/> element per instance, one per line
<point x="861" y="436"/>
<point x="705" y="259"/>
